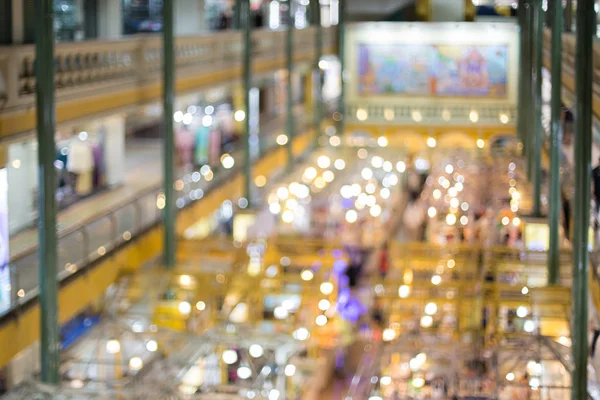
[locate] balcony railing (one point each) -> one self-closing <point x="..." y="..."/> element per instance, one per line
<point x="568" y="57"/>
<point x="92" y="67"/>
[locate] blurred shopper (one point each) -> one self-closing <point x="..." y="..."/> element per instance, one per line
<point x="384" y="262"/>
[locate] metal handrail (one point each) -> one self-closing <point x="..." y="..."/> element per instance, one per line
<point x="89" y="247"/>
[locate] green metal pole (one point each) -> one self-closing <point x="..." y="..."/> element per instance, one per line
<point x="522" y="100"/>
<point x="237" y="14"/>
<point x="555" y="143"/>
<point x="45" y="113"/>
<point x="168" y="95"/>
<point x="586" y="27"/>
<point x="247" y="87"/>
<point x="530" y="86"/>
<point x="537" y="142"/>
<point x="317" y="104"/>
<point x="341" y="56"/>
<point x="289" y="53"/>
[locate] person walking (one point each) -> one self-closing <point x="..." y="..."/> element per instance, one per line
<point x="384" y="260"/>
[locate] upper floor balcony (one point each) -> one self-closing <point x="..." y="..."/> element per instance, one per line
<point x="99" y="76"/>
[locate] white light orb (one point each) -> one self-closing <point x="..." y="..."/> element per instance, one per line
<point x="289" y="370"/>
<point x="228" y="162"/>
<point x="432" y="212"/>
<point x="403" y="291"/>
<point x="366" y="173"/>
<point x="310" y="173"/>
<point x="385" y="193"/>
<point x="256" y="350"/>
<point x="184" y="308"/>
<point x="418" y="382"/>
<point x="301" y="334"/>
<point x="382" y="141"/>
<point x="244" y="372"/>
<point x="151" y="346"/>
<point x="113" y="346"/>
<point x="388" y="335"/>
<point x="529" y="326"/>
<point x="136" y="363"/>
<point x="451" y="219"/>
<point x="449" y="168"/>
<point x="375" y="211"/>
<point x="326" y="288"/>
<point x="339" y="164"/>
<point x="239" y="115"/>
<point x="377" y="162"/>
<point x="524" y="290"/>
<point x="431" y="308"/>
<point x="324" y="304"/>
<point x="431" y="142"/>
<point x="321" y="320"/>
<point x="385" y="380"/>
<point x="426" y="321"/>
<point x="323" y="162"/>
<point x="281" y="312"/>
<point x="510" y="377"/>
<point x="522" y="312"/>
<point x="400" y="166"/>
<point x="274" y="208"/>
<point x="281" y="139"/>
<point x="351" y="216"/>
<point x="287" y="216"/>
<point x="307" y="275"/>
<point x="229" y="357"/>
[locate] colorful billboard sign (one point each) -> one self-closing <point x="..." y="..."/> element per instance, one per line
<point x="433" y="70"/>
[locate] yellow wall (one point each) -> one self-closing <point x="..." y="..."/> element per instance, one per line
<point x="23" y="121"/>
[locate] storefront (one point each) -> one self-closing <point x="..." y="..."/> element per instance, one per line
<point x="87" y="161"/>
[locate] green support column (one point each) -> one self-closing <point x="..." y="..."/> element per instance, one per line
<point x="247" y="86"/>
<point x="554" y="197"/>
<point x="289" y="63"/>
<point x="317" y="104"/>
<point x="237" y="17"/>
<point x="522" y="100"/>
<point x="341" y="56"/>
<point x="45" y="112"/>
<point x="538" y="16"/>
<point x="586" y="27"/>
<point x="168" y="147"/>
<point x="530" y="87"/>
<point x="525" y="76"/>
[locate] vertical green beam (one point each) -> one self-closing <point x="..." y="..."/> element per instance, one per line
<point x="45" y="113"/>
<point x="526" y="83"/>
<point x="316" y="12"/>
<point x="537" y="142"/>
<point x="289" y="57"/>
<point x="341" y="56"/>
<point x="168" y="95"/>
<point x="530" y="86"/>
<point x="522" y="100"/>
<point x="237" y="14"/>
<point x="555" y="143"/>
<point x="586" y="27"/>
<point x="569" y="16"/>
<point x="247" y="87"/>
